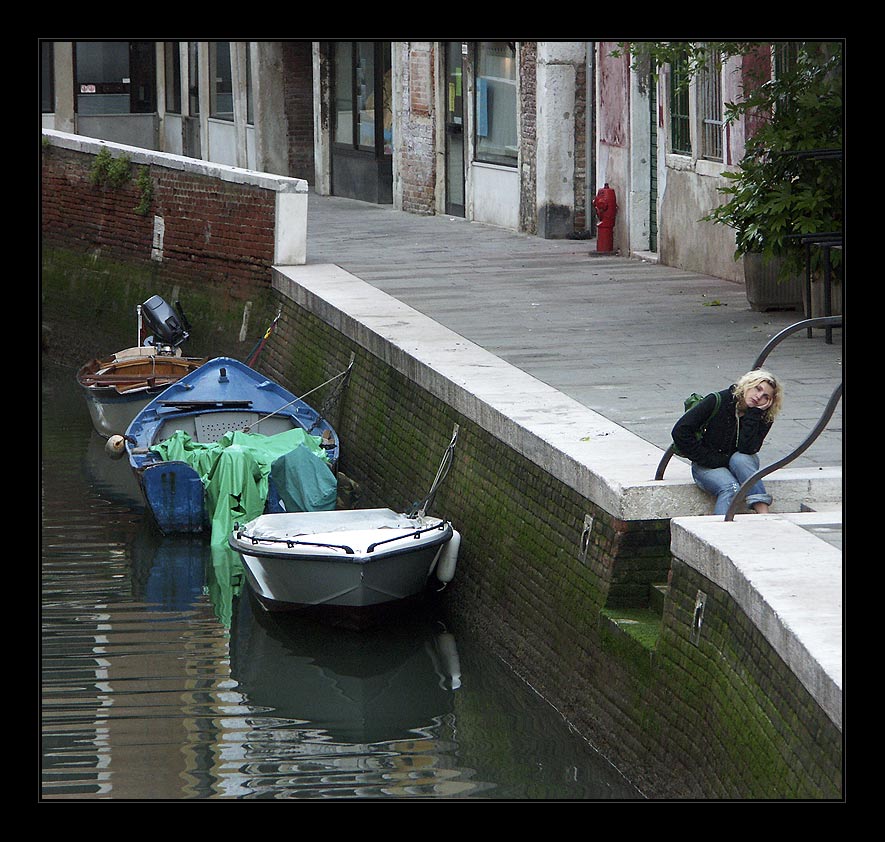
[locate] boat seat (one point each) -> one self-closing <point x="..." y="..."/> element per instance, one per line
<point x="211" y="426"/>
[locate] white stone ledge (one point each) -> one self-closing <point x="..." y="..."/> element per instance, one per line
<point x="599" y="459"/>
<point x="788" y="582"/>
<point x="138" y="155"/>
<point x="290" y="213"/>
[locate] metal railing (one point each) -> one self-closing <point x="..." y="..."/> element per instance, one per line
<point x="827" y="322"/>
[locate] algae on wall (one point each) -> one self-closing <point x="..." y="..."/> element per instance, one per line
<point x="88" y="309"/>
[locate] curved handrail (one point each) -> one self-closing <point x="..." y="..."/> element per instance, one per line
<point x="818" y="429"/>
<point x="820" y="321"/>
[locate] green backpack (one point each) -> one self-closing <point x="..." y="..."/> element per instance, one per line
<point x="692" y="401"/>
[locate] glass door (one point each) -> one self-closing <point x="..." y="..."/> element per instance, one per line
<point x="454" y="96"/>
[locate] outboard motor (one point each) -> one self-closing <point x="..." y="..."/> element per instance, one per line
<point x="168" y="326"/>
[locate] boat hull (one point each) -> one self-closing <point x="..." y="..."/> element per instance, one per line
<point x="117" y="388"/>
<point x="112" y="413"/>
<point x="341" y="569"/>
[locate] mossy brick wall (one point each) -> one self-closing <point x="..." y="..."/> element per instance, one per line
<point x="217" y="234"/>
<point x="759" y="733"/>
<point x="88" y="309"/>
<point x="704" y="721"/>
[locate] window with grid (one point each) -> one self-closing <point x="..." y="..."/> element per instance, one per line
<point x="680" y="120"/>
<point x="710" y="99"/>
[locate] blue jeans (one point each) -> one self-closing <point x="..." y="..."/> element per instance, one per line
<point x="724" y="483"/>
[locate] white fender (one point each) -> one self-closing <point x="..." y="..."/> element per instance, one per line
<point x="448" y="558"/>
<point x="115" y="446"/>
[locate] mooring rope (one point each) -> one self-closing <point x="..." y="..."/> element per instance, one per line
<point x="306" y="394"/>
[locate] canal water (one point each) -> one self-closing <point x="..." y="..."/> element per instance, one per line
<point x="163" y="680"/>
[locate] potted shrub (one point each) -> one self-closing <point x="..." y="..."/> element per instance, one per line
<point x="789" y="183"/>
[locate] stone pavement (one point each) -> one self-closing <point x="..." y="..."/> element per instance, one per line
<point x="625" y="337"/>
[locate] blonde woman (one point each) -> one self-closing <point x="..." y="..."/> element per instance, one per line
<point x="722" y="436"/>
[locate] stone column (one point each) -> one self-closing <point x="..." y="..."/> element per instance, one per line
<point x="557" y="74"/>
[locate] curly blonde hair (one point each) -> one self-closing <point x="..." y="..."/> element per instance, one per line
<point x="754" y="378"/>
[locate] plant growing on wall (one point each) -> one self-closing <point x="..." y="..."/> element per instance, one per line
<point x="789" y="182"/>
<point x="110" y="171"/>
<point x="146" y="187"/>
<point x="115" y="172"/>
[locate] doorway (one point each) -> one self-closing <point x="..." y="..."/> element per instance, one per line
<point x="362" y="120"/>
<point x="454" y="121"/>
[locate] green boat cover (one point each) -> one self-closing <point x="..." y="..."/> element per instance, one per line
<point x="235" y="470"/>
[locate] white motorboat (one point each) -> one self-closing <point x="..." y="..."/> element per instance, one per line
<point x="353" y="560"/>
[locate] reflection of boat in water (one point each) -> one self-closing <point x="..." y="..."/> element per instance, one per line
<point x="168" y="573"/>
<point x="359" y="687"/>
<point x="177" y="572"/>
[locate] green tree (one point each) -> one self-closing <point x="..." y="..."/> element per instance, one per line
<point x="789" y="182"/>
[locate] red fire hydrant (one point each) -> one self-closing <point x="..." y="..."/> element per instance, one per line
<point x="606" y="210"/>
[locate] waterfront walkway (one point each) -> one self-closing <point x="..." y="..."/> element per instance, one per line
<point x="625" y="337"/>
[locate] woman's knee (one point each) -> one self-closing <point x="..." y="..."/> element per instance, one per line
<point x="745" y="461"/>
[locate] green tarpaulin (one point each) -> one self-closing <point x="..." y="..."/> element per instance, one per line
<point x="235" y="471"/>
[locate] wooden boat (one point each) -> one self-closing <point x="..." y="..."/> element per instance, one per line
<point x="351" y="563"/>
<point x="119" y="386"/>
<point x="257" y="433"/>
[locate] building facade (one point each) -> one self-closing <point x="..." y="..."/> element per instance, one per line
<point x="517" y="134"/>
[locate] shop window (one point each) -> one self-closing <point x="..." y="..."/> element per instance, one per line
<point x="47" y="77"/>
<point x="250" y="106"/>
<point x="221" y="88"/>
<point x="193" y="78"/>
<point x="172" y="61"/>
<point x="362" y="95"/>
<point x="114" y="77"/>
<point x="496" y="103"/>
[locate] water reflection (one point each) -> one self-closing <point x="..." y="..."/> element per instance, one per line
<point x="361" y="687"/>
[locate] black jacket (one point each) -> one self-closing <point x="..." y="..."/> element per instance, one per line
<point x="725" y="434"/>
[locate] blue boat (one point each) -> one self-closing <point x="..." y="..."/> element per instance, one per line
<point x="203" y="427"/>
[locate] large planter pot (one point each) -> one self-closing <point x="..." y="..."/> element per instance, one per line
<point x="818" y="299"/>
<point x="767" y="291"/>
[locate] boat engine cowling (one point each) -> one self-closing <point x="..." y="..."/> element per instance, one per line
<point x="167" y="325"/>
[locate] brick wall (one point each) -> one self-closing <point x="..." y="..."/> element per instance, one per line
<point x="215" y="233"/>
<point x="298" y="82"/>
<point x="417" y="165"/>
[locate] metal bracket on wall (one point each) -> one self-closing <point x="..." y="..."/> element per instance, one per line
<point x="699" y="605"/>
<point x="585" y="537"/>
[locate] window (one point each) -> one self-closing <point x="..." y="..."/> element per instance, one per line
<point x="710" y="94"/>
<point x="680" y="120"/>
<point x="172" y="61"/>
<point x="221" y="88"/>
<point x="362" y="78"/>
<point x="114" y="77"/>
<point x="250" y="106"/>
<point x="193" y="78"/>
<point x="496" y="135"/>
<point x="47" y="77"/>
<point x="102" y="77"/>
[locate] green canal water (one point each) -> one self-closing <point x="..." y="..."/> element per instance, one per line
<point x="163" y="680"/>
